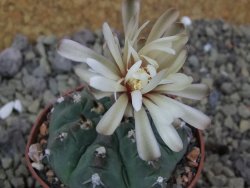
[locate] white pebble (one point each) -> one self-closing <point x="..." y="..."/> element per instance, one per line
<point x="6" y="110"/>
<point x="18" y="106"/>
<point x="38" y="166"/>
<point x="186" y="21"/>
<point x="207" y="47"/>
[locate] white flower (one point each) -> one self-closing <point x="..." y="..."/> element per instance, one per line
<point x="142" y="76"/>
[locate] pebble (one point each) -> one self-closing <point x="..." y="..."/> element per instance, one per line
<point x="236" y="183"/>
<point x="20" y="42"/>
<point x="244" y="125"/>
<point x="6" y="162"/>
<point x="34" y="106"/>
<point x="10" y="62"/>
<point x="61" y="64"/>
<point x="244" y="111"/>
<point x="193" y="154"/>
<point x="17" y="182"/>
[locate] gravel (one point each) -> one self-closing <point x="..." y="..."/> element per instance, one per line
<point x="218" y="56"/>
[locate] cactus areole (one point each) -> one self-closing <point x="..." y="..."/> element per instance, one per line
<point x="80" y="157"/>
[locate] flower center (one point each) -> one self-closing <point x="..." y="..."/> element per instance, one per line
<point x="138" y="79"/>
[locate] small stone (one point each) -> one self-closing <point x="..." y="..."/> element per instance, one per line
<point x="210" y="31"/>
<point x="229" y="109"/>
<point x="17" y="182"/>
<point x="61" y="64"/>
<point x="49" y="40"/>
<point x="84" y="37"/>
<point x="6" y="184"/>
<point x="20" y="42"/>
<point x="21" y="170"/>
<point x="35" y="152"/>
<point x="228" y="172"/>
<point x="218" y="181"/>
<point x="2" y="174"/>
<point x="244" y="111"/>
<point x="229" y="122"/>
<point x="193" y="154"/>
<point x="37" y="166"/>
<point x="34" y="106"/>
<point x="48" y="97"/>
<point x="236" y="183"/>
<point x="244" y="125"/>
<point x="193" y="61"/>
<point x="6" y="162"/>
<point x="43" y="129"/>
<point x="10" y="62"/>
<point x="227" y="88"/>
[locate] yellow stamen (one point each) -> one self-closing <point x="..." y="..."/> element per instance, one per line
<point x="134" y="84"/>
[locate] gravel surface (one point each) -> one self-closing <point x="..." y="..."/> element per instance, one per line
<point x="218" y="56"/>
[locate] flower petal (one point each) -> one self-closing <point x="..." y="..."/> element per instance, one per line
<point x="129" y="111"/>
<point x="130" y="9"/>
<point x="154" y="82"/>
<point x="84" y="74"/>
<point x="77" y="52"/>
<point x="179" y="61"/>
<point x="110" y="40"/>
<point x="112" y="118"/>
<point x="102" y="69"/>
<point x="100" y="94"/>
<point x="136" y="99"/>
<point x="151" y="61"/>
<point x="147" y="146"/>
<point x="194" y="91"/>
<point x="166" y="106"/>
<point x="190" y="115"/>
<point x="105" y="84"/>
<point x="164" y="127"/>
<point x="133" y="69"/>
<point x="162" y="24"/>
<point x="178" y="81"/>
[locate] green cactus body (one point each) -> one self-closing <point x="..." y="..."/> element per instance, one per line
<point x="74" y="148"/>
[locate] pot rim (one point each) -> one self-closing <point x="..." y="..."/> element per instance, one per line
<point x="35" y="129"/>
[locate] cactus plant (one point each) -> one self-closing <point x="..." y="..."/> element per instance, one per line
<point x="82" y="158"/>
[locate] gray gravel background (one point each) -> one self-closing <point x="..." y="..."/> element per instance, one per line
<point x="218" y="56"/>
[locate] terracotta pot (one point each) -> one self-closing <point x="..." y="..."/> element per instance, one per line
<point x="43" y="116"/>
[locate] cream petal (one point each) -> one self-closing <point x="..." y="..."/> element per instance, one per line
<point x="175" y="29"/>
<point x="154" y="82"/>
<point x="109" y="38"/>
<point x="152" y="47"/>
<point x="165" y="105"/>
<point x="105" y="84"/>
<point x="112" y="118"/>
<point x="147" y="146"/>
<point x="135" y="38"/>
<point x="6" y="110"/>
<point x="151" y="69"/>
<point x="178" y="81"/>
<point x="130" y="9"/>
<point x="77" y="52"/>
<point x="100" y="94"/>
<point x="164" y="127"/>
<point x="179" y="62"/>
<point x="136" y="99"/>
<point x="194" y="91"/>
<point x="162" y="24"/>
<point x="190" y="115"/>
<point x="129" y="111"/>
<point x="151" y="61"/>
<point x="102" y="69"/>
<point x="133" y="69"/>
<point x="84" y="74"/>
<point x="131" y="51"/>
